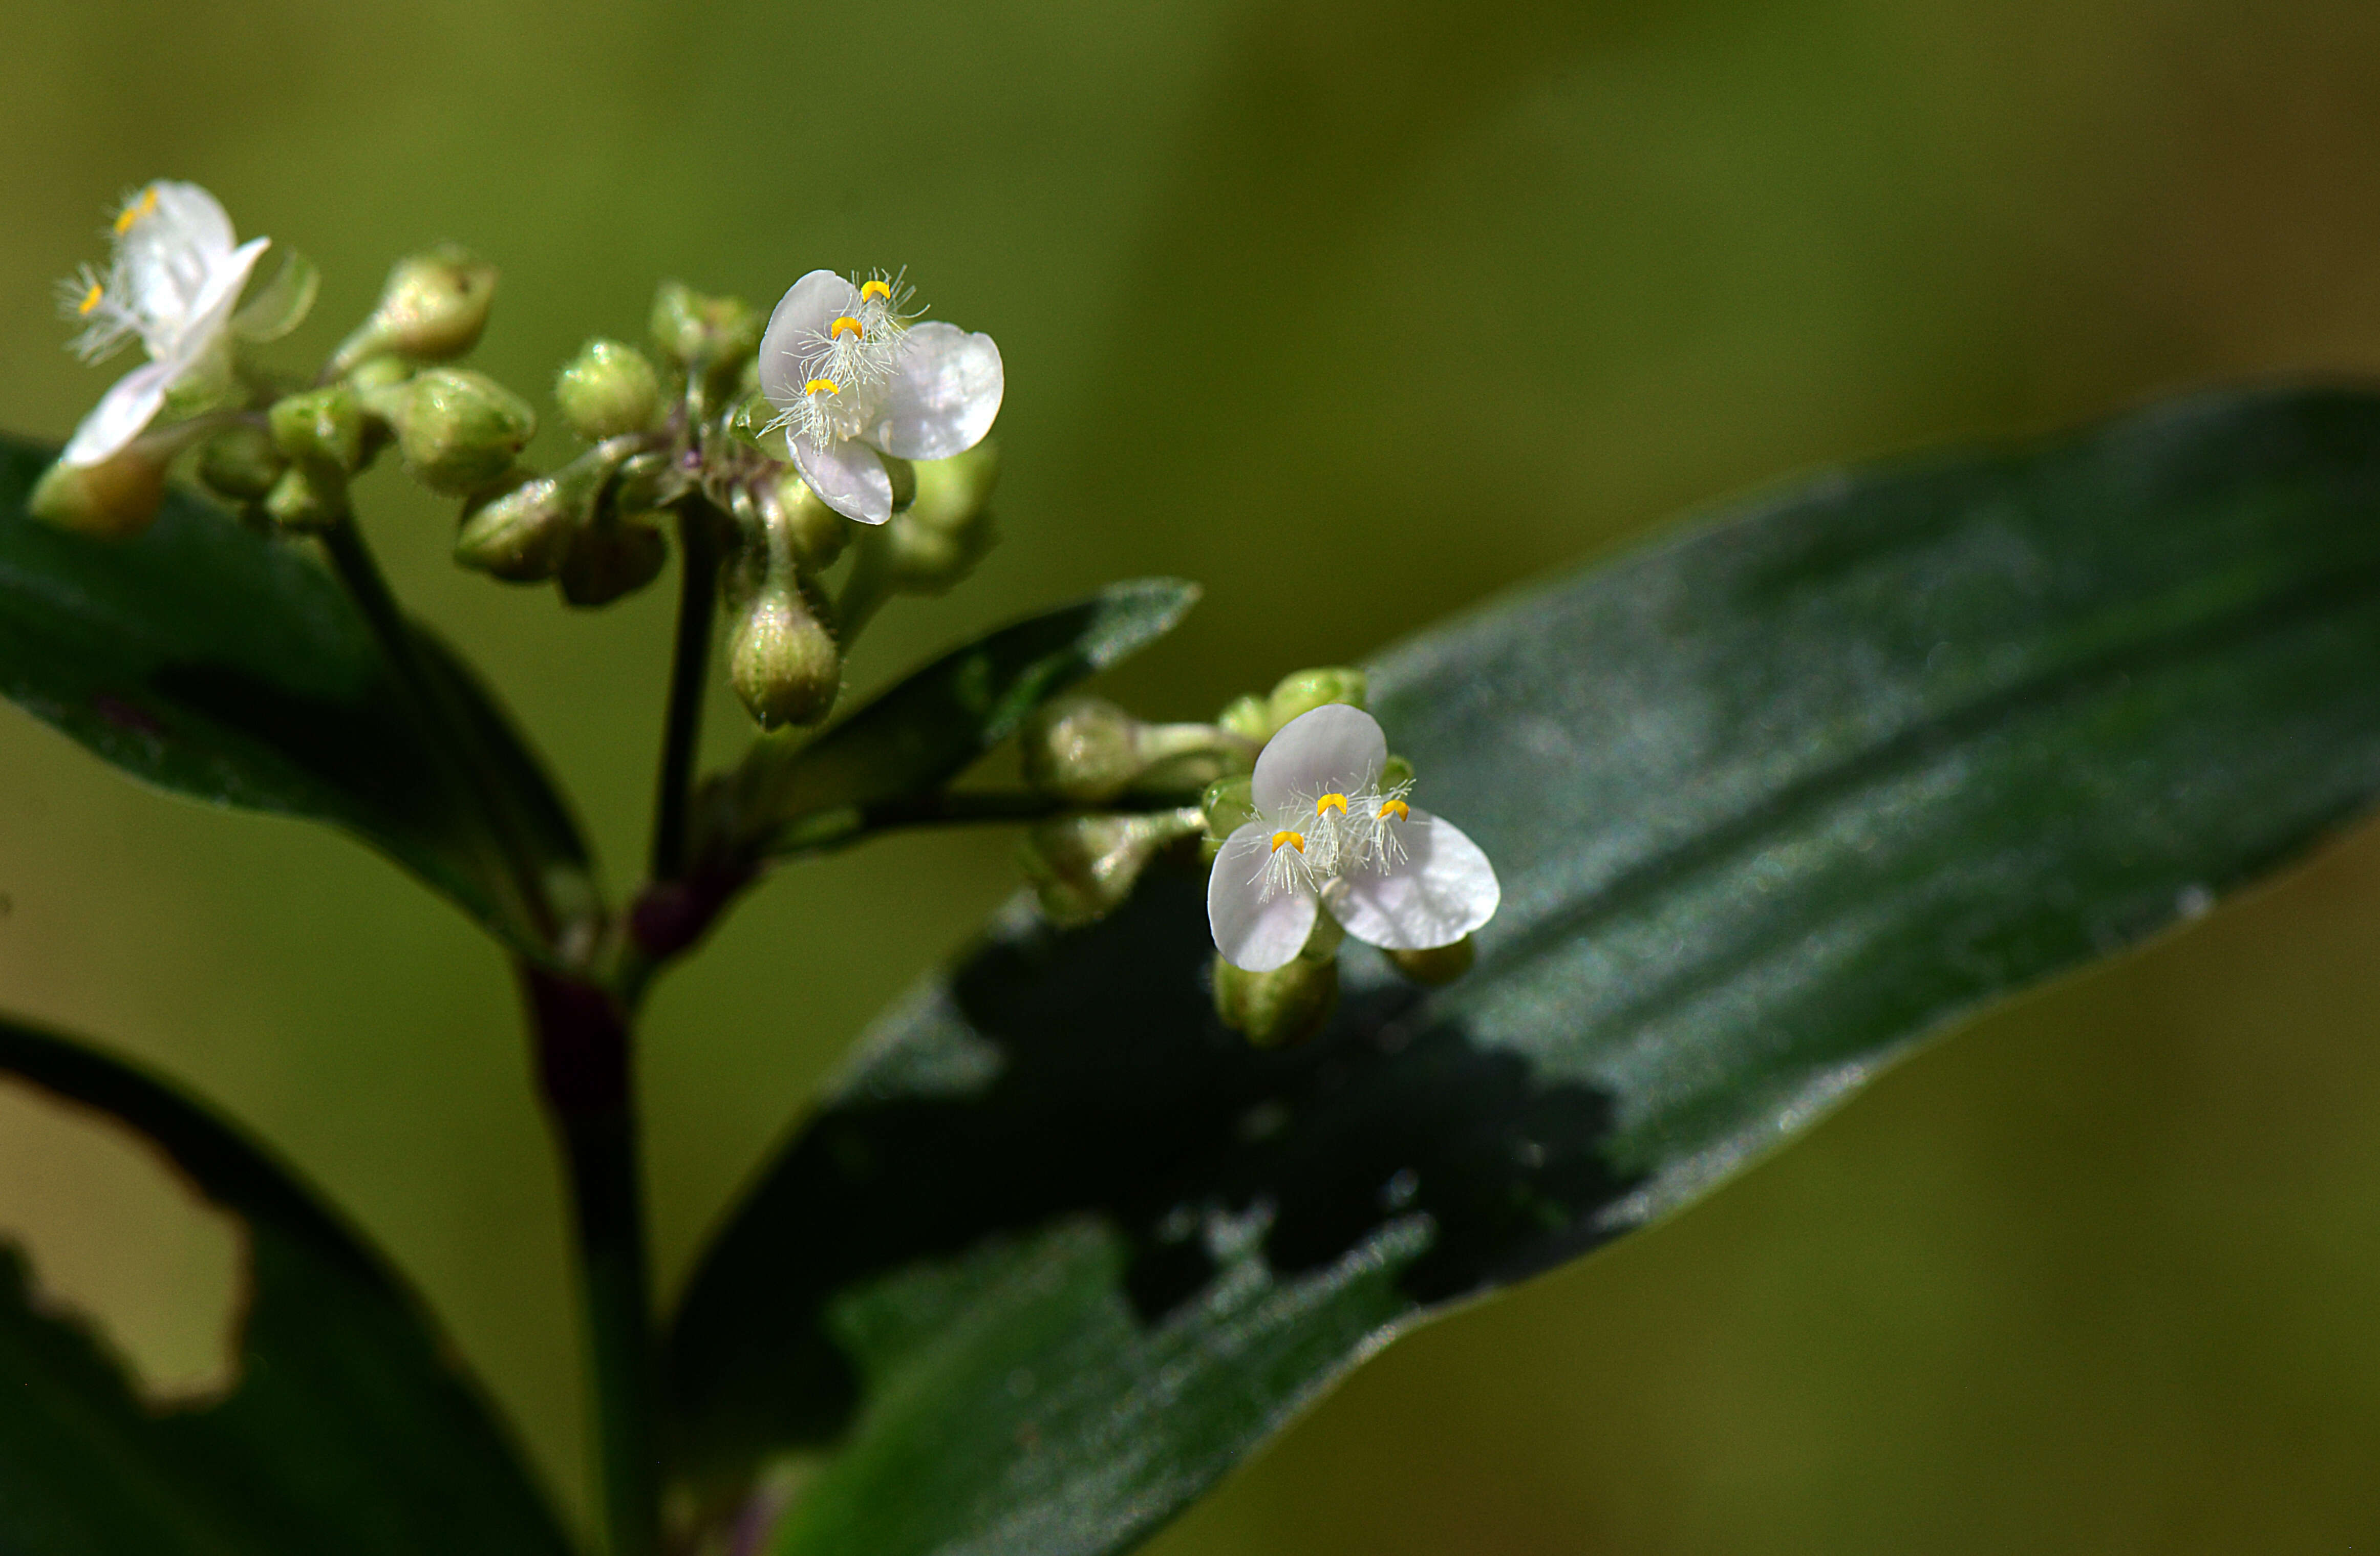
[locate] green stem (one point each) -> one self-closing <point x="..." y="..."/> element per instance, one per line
<point x="697" y="603"/>
<point x="585" y="1075"/>
<point x="430" y="698"/>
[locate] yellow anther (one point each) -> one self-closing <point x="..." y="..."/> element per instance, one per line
<point x="1392" y="807"/>
<point x="846" y="325"/>
<point x="876" y="289"/>
<point x="135" y="210"/>
<point x="821" y="385"/>
<point x="1332" y="802"/>
<point x="90" y="300"/>
<point x="1295" y="839"/>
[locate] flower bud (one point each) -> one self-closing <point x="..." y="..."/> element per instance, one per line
<point x="308" y="497"/>
<point x="1087" y="749"/>
<point x="946" y="528"/>
<point x="1249" y="718"/>
<point x="433" y="308"/>
<point x="320" y="426"/>
<point x="1302" y="691"/>
<point x="816" y="532"/>
<point x="612" y="559"/>
<point x="1439" y="965"/>
<point x="1083" y="867"/>
<point x="609" y="389"/>
<point x="460" y="429"/>
<point x="520" y="534"/>
<point x="705" y="335"/>
<point x="117" y="498"/>
<point x="783" y="661"/>
<point x="1286" y="1005"/>
<point x="241" y="463"/>
<point x="1396" y="772"/>
<point x="1229" y="803"/>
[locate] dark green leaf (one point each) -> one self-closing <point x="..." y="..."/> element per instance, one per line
<point x="1771" y="801"/>
<point x="349" y="1428"/>
<point x="789" y="795"/>
<point x="229" y="667"/>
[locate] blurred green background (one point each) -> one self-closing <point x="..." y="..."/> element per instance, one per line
<point x="1356" y="313"/>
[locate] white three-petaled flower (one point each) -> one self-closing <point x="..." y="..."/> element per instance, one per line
<point x="173" y="281"/>
<point x="852" y="378"/>
<point x="1327" y="835"/>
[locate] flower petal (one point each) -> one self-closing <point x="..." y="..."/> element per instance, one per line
<point x="809" y="309"/>
<point x="1252" y="931"/>
<point x="186" y="214"/>
<point x="221" y="293"/>
<point x="1332" y="749"/>
<point x="1443" y="889"/>
<point x="942" y="397"/>
<point x="128" y="406"/>
<point x="848" y="477"/>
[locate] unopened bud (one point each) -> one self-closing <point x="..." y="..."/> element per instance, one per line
<point x="1250" y="718"/>
<point x="116" y="498"/>
<point x="1290" y="1004"/>
<point x="433" y="308"/>
<point x="783" y="661"/>
<point x="320" y="426"/>
<point x="609" y="389"/>
<point x="241" y="463"/>
<point x="610" y="560"/>
<point x="1302" y="691"/>
<point x="714" y="336"/>
<point x="1087" y="749"/>
<point x="519" y="534"/>
<point x="1085" y="867"/>
<point x="460" y="429"/>
<point x="1229" y="803"/>
<point x="816" y="532"/>
<point x="1396" y="772"/>
<point x="946" y="529"/>
<point x="308" y="497"/>
<point x="1438" y="965"/>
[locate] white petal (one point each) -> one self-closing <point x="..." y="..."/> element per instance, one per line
<point x="942" y="397"/>
<point x="221" y="294"/>
<point x="1332" y="750"/>
<point x="1251" y="930"/>
<point x="188" y="215"/>
<point x="126" y="408"/>
<point x="1443" y="890"/>
<point x="848" y="477"/>
<point x="804" y="315"/>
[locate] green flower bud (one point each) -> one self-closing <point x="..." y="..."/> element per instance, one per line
<point x="320" y="426"/>
<point x="308" y="497"/>
<point x="709" y="335"/>
<point x="781" y="658"/>
<point x="609" y="389"/>
<point x="460" y="429"/>
<point x="1288" y="1005"/>
<point x="1229" y="803"/>
<point x="946" y="528"/>
<point x="520" y="533"/>
<point x="241" y="462"/>
<point x="1302" y="691"/>
<point x="1087" y="749"/>
<point x="903" y="474"/>
<point x="1442" y="964"/>
<point x="117" y="498"/>
<point x="1249" y="718"/>
<point x="433" y="308"/>
<point x="1396" y="772"/>
<point x="816" y="532"/>
<point x="609" y="561"/>
<point x="1083" y="867"/>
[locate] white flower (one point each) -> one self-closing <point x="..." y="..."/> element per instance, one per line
<point x="853" y="378"/>
<point x="173" y="281"/>
<point x="1326" y="834"/>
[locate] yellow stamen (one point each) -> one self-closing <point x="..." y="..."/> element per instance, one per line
<point x="1397" y="805"/>
<point x="818" y="385"/>
<point x="846" y="325"/>
<point x="1295" y="839"/>
<point x="876" y="289"/>
<point x="135" y="210"/>
<point x="1330" y="801"/>
<point x="90" y="300"/>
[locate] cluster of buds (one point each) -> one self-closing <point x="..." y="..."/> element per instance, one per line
<point x="839" y="426"/>
<point x="1304" y="824"/>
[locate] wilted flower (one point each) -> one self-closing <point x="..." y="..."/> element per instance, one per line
<point x="1326" y="834"/>
<point x="173" y="281"/>
<point x="852" y="378"/>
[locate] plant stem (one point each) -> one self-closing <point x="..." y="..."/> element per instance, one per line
<point x="453" y="746"/>
<point x="697" y="603"/>
<point x="586" y="1074"/>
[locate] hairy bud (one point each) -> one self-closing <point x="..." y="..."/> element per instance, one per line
<point x="308" y="497"/>
<point x="712" y="336"/>
<point x="319" y="426"/>
<point x="608" y="390"/>
<point x="1290" y="1004"/>
<point x="612" y="559"/>
<point x="783" y="661"/>
<point x="1085" y="867"/>
<point x="116" y="498"/>
<point x="241" y="462"/>
<point x="433" y="308"/>
<point x="1302" y="691"/>
<point x="460" y="431"/>
<point x="1438" y="965"/>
